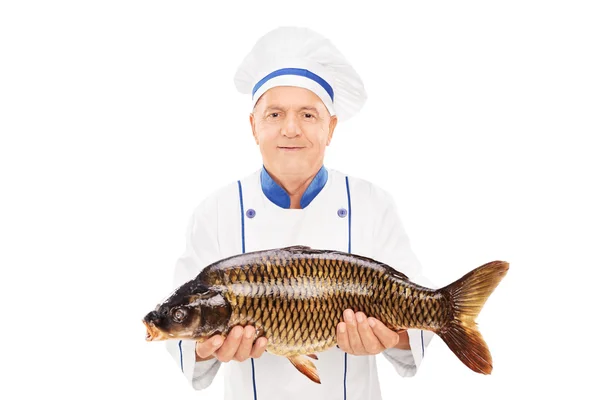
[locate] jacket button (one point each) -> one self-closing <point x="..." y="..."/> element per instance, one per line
<point x="250" y="213"/>
<point x="342" y="212"/>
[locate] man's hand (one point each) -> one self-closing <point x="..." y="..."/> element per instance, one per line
<point x="359" y="335"/>
<point x="236" y="346"/>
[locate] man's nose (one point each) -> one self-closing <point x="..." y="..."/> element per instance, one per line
<point x="290" y="127"/>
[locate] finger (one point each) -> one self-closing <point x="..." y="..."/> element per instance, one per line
<point x="342" y="337"/>
<point x="259" y="347"/>
<point x="353" y="337"/>
<point x="386" y="336"/>
<point x="370" y="342"/>
<point x="231" y="344"/>
<point x="207" y="348"/>
<point x="404" y="341"/>
<point x="243" y="352"/>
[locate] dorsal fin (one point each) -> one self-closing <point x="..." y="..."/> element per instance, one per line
<point x="395" y="273"/>
<point x="400" y="275"/>
<point x="296" y="248"/>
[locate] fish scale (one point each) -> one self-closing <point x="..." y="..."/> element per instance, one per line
<point x="296" y="296"/>
<point x="291" y="294"/>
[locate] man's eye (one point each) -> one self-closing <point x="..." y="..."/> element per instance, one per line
<point x="274" y="115"/>
<point x="308" y="115"/>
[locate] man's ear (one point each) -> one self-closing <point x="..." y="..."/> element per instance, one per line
<point x="252" y="127"/>
<point x="332" y="124"/>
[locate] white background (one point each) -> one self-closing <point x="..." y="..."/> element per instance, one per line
<point x="118" y="117"/>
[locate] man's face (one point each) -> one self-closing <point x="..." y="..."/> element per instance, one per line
<point x="292" y="127"/>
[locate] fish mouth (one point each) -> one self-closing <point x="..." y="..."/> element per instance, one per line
<point x="153" y="333"/>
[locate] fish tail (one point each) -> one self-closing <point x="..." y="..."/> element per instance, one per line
<point x="467" y="296"/>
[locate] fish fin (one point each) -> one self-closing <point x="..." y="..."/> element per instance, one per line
<point x="296" y="248"/>
<point x="468" y="295"/>
<point x="305" y="366"/>
<point x="399" y="275"/>
<point x="313" y="356"/>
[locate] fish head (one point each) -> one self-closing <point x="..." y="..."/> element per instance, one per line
<point x="191" y="312"/>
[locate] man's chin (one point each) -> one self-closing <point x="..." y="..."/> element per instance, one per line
<point x="292" y="169"/>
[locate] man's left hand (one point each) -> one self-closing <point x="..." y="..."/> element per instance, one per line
<point x="359" y="335"/>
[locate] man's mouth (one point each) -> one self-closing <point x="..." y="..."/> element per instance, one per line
<point x="290" y="148"/>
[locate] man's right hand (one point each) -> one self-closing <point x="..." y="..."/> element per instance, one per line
<point x="238" y="345"/>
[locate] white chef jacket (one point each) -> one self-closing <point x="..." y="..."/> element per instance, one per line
<point x="339" y="213"/>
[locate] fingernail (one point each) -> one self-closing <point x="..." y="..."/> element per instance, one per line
<point x="359" y="317"/>
<point x="238" y="333"/>
<point x="342" y="328"/>
<point x="248" y="333"/>
<point x="217" y="341"/>
<point x="371" y="322"/>
<point x="349" y="317"/>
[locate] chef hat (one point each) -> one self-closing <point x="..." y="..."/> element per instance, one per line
<point x="295" y="56"/>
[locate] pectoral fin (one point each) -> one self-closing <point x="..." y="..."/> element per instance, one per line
<point x="313" y="356"/>
<point x="305" y="366"/>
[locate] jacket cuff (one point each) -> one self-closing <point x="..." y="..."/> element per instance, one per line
<point x="199" y="373"/>
<point x="204" y="373"/>
<point x="406" y="362"/>
<point x="402" y="360"/>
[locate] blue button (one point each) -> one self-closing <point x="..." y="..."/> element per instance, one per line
<point x="250" y="213"/>
<point x="342" y="212"/>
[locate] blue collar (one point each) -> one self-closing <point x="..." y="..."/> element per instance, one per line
<point x="279" y="196"/>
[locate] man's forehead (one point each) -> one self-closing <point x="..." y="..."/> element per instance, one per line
<point x="300" y="106"/>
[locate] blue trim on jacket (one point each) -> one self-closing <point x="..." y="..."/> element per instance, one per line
<point x="180" y="356"/>
<point x="349" y="251"/>
<point x="243" y="251"/>
<point x="279" y="196"/>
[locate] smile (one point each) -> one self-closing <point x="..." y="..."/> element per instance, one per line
<point x="290" y="148"/>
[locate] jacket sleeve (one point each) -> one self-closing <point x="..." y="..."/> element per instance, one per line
<point x="392" y="246"/>
<point x="202" y="248"/>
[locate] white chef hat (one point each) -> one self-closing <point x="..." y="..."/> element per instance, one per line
<point x="296" y="56"/>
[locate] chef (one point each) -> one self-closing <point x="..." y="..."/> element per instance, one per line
<point x="300" y="87"/>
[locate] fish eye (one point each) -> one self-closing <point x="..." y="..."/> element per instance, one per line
<point x="178" y="314"/>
